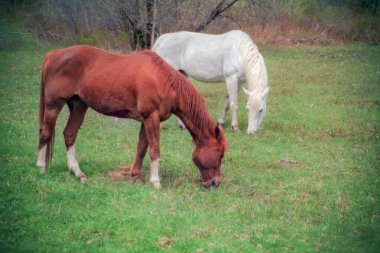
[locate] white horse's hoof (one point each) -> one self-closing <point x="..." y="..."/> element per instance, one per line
<point x="235" y="129"/>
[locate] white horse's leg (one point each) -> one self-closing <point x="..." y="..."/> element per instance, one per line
<point x="223" y="114"/>
<point x="233" y="89"/>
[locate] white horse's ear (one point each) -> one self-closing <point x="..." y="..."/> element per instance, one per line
<point x="265" y="93"/>
<point x="246" y="91"/>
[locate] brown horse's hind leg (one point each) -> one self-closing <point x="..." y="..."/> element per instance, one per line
<point x="77" y="112"/>
<point x="46" y="138"/>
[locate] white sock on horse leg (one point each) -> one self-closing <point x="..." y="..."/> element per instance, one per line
<point x="154" y="178"/>
<point x="73" y="165"/>
<point x="41" y="159"/>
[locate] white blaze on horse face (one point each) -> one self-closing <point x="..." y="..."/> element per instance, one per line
<point x="41" y="159"/>
<point x="154" y="178"/>
<point x="73" y="165"/>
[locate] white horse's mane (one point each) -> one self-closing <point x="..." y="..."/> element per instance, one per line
<point x="254" y="66"/>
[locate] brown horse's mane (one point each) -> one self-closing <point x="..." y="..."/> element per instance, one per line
<point x="194" y="102"/>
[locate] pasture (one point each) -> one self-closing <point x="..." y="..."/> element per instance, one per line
<point x="308" y="181"/>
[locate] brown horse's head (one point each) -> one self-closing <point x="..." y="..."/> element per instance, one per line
<point x="208" y="156"/>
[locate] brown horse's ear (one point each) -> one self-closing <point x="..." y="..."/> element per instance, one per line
<point x="217" y="132"/>
<point x="219" y="135"/>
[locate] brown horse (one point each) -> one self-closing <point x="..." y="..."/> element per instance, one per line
<point x="140" y="86"/>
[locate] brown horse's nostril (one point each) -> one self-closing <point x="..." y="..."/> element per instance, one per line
<point x="212" y="183"/>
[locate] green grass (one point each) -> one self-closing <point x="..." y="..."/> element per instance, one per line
<point x="307" y="182"/>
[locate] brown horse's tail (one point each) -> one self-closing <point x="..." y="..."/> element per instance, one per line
<point x="50" y="141"/>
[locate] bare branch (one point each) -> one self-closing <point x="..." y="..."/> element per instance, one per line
<point x="221" y="7"/>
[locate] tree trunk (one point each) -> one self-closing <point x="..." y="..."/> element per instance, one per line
<point x="149" y="23"/>
<point x="154" y="24"/>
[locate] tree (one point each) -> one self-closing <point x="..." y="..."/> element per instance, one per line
<point x="136" y="18"/>
<point x="215" y="12"/>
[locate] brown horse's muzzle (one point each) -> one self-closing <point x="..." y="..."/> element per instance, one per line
<point x="212" y="183"/>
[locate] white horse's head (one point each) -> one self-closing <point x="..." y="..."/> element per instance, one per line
<point x="256" y="106"/>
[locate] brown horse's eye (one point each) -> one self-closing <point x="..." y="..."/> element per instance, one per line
<point x="196" y="162"/>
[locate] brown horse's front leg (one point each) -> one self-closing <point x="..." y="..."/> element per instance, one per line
<point x="142" y="146"/>
<point x="152" y="131"/>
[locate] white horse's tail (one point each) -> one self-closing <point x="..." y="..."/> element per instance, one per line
<point x="254" y="66"/>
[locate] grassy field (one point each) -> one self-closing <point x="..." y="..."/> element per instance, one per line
<point x="307" y="182"/>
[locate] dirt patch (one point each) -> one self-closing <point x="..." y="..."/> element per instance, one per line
<point x="123" y="173"/>
<point x="291" y="164"/>
<point x="165" y="242"/>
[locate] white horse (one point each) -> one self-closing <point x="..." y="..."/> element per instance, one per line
<point x="231" y="57"/>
